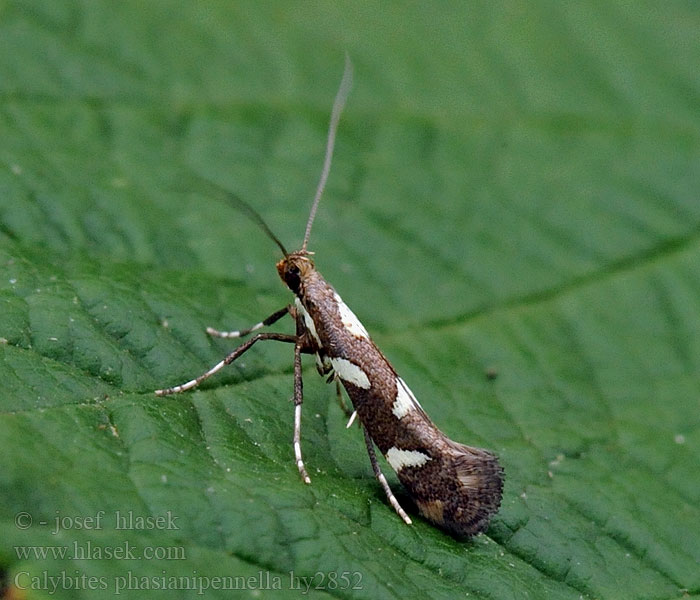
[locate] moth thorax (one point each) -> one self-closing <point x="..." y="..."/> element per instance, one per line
<point x="293" y="269"/>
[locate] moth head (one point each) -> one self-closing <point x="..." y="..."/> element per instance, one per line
<point x="293" y="269"/>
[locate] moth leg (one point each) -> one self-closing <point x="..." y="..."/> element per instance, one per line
<point x="351" y="420"/>
<point x="382" y="480"/>
<point x="280" y="337"/>
<point x="298" y="399"/>
<point x="323" y="370"/>
<point x="341" y="401"/>
<point x="351" y="414"/>
<point x="273" y="318"/>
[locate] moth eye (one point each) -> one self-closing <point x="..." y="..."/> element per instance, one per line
<point x="292" y="278"/>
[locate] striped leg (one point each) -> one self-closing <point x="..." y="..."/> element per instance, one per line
<point x="382" y="480"/>
<point x="273" y="318"/>
<point x="298" y="399"/>
<point x="280" y="337"/>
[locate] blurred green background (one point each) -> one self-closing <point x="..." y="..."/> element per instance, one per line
<point x="512" y="212"/>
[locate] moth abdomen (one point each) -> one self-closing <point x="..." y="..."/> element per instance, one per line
<point x="458" y="489"/>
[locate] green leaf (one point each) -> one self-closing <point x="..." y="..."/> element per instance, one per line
<point x="512" y="212"/>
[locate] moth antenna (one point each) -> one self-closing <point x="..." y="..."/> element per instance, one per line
<point x="338" y="104"/>
<point x="215" y="190"/>
<point x="254" y="216"/>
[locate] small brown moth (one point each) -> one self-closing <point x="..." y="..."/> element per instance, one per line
<point x="454" y="486"/>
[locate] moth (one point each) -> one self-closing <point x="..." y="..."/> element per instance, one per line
<point x="454" y="486"/>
